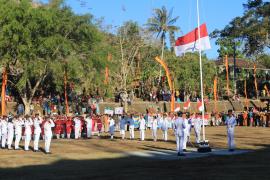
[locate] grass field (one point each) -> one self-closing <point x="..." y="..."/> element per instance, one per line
<point x="101" y="158"/>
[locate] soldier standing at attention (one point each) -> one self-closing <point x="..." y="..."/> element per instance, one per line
<point x="230" y="122"/>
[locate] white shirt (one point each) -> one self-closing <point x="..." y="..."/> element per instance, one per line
<point x="142" y="124"/>
<point x="4" y="126"/>
<point x="131" y="122"/>
<point x="18" y="123"/>
<point x="122" y="124"/>
<point x="37" y="122"/>
<point x="88" y="122"/>
<point x="154" y="124"/>
<point x="10" y="127"/>
<point x="197" y="123"/>
<point x="164" y="124"/>
<point x="77" y="122"/>
<point x="27" y="124"/>
<point x="179" y="126"/>
<point x="48" y="127"/>
<point x="230" y="122"/>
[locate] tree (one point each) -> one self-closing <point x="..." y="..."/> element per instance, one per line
<point x="162" y="23"/>
<point x="250" y="30"/>
<point x="34" y="40"/>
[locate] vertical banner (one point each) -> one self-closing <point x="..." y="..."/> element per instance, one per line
<point x="3" y="94"/>
<point x="106" y="79"/>
<point x="266" y="89"/>
<point x="215" y="92"/>
<point x="255" y="81"/>
<point x="245" y="89"/>
<point x="227" y="73"/>
<point x="65" y="89"/>
<point x="163" y="64"/>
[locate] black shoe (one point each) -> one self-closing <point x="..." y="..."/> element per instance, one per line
<point x="36" y="150"/>
<point x="184" y="150"/>
<point x="180" y="154"/>
<point x="231" y="150"/>
<point x="48" y="153"/>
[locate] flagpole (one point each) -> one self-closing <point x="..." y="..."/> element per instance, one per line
<point x="200" y="54"/>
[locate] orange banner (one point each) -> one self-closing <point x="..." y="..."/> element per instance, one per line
<point x="227" y="73"/>
<point x="163" y="64"/>
<point x="255" y="80"/>
<point x="267" y="91"/>
<point x="3" y="94"/>
<point x="65" y="87"/>
<point x="245" y="88"/>
<point x="215" y="92"/>
<point x="106" y="80"/>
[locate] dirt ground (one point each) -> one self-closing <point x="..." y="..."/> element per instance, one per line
<point x="102" y="158"/>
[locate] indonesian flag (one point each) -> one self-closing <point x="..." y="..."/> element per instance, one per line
<point x="187" y="105"/>
<point x="190" y="41"/>
<point x="177" y="108"/>
<point x="200" y="105"/>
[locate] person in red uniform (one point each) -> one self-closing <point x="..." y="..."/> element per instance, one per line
<point x="57" y="128"/>
<point x="63" y="127"/>
<point x="69" y="124"/>
<point x="99" y="124"/>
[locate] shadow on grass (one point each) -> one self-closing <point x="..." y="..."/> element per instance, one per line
<point x="254" y="165"/>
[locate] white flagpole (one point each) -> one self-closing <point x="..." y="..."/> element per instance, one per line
<point x="201" y="76"/>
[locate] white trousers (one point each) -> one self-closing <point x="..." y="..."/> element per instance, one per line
<point x="4" y="140"/>
<point x="154" y="134"/>
<point x="18" y="137"/>
<point x="142" y="134"/>
<point x="10" y="139"/>
<point x="231" y="144"/>
<point x="179" y="143"/>
<point x="27" y="140"/>
<point x="131" y="132"/>
<point x="198" y="136"/>
<point x="36" y="140"/>
<point x="89" y="131"/>
<point x="165" y="135"/>
<point x="122" y="133"/>
<point x="77" y="133"/>
<point x="48" y="139"/>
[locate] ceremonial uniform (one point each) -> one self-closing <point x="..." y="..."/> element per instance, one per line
<point x="48" y="134"/>
<point x="131" y="128"/>
<point x="142" y="128"/>
<point x="111" y="127"/>
<point x="89" y="123"/>
<point x="57" y="128"/>
<point x="187" y="133"/>
<point x="18" y="123"/>
<point x="28" y="132"/>
<point x="37" y="132"/>
<point x="197" y="123"/>
<point x="4" y="132"/>
<point x="164" y="127"/>
<point x="77" y="127"/>
<point x="122" y="127"/>
<point x="179" y="127"/>
<point x="10" y="128"/>
<point x="68" y="127"/>
<point x="154" y="129"/>
<point x="230" y="122"/>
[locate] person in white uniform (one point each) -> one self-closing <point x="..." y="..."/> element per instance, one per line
<point x="48" y="134"/>
<point x="88" y="122"/>
<point x="77" y="127"/>
<point x="37" y="131"/>
<point x="179" y="127"/>
<point x="142" y="128"/>
<point x="164" y="126"/>
<point x="131" y="127"/>
<point x="197" y="124"/>
<point x="18" y="123"/>
<point x="4" y="132"/>
<point x="186" y="131"/>
<point x="111" y="126"/>
<point x="230" y="122"/>
<point x="10" y="128"/>
<point x="28" y="132"/>
<point x="154" y="128"/>
<point x="1" y="118"/>
<point x="123" y="127"/>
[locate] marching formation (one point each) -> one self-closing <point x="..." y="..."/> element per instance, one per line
<point x="29" y="129"/>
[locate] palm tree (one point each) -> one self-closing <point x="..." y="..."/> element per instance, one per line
<point x="162" y="23"/>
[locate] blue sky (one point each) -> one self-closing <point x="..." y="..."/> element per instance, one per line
<point x="216" y="13"/>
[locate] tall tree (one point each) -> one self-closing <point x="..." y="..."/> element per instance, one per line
<point x="162" y="23"/>
<point x="33" y="40"/>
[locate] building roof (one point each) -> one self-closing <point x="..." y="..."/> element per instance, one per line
<point x="241" y="63"/>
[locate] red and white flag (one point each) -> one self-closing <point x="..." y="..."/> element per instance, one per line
<point x="187" y="105"/>
<point x="200" y="105"/>
<point x="190" y="41"/>
<point x="177" y="108"/>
